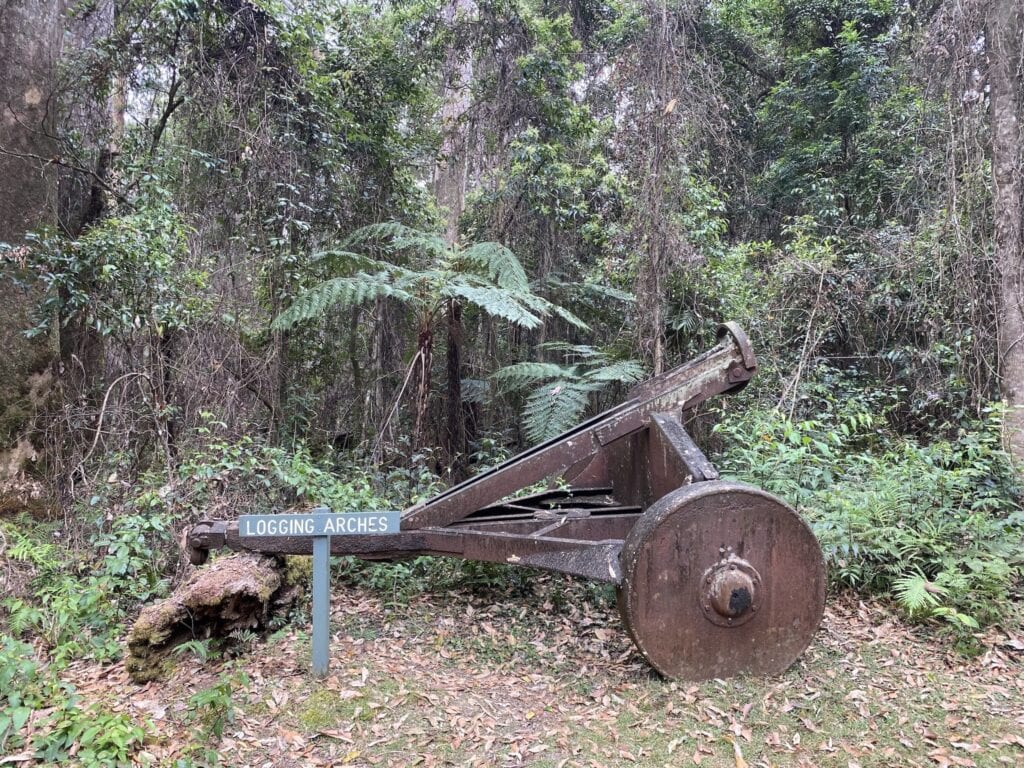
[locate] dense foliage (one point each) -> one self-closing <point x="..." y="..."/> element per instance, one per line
<point x="308" y="201"/>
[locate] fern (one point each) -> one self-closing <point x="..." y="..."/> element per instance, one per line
<point x="577" y="351"/>
<point x="200" y="649"/>
<point x="587" y="291"/>
<point x="398" y="237"/>
<point x="569" y="317"/>
<point x="25" y="549"/>
<point x="553" y="408"/>
<point x="624" y="371"/>
<point x="21" y="616"/>
<point x="558" y="404"/>
<point x="496" y="302"/>
<point x="499" y="265"/>
<point x="341" y="291"/>
<point x="916" y="595"/>
<point x="519" y="375"/>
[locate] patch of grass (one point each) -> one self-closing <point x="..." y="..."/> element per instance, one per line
<point x="325" y="708"/>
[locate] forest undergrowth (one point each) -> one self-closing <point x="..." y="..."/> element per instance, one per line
<point x="350" y="253"/>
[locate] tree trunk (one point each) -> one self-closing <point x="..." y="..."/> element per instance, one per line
<point x="456" y="445"/>
<point x="1006" y="81"/>
<point x="30" y="40"/>
<point x="238" y="592"/>
<point x="424" y="363"/>
<point x="44" y="180"/>
<point x="450" y="172"/>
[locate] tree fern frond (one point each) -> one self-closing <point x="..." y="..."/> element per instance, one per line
<point x="337" y="258"/>
<point x="916" y="595"/>
<point x="554" y="408"/>
<point x="341" y="291"/>
<point x="626" y="371"/>
<point x="375" y="233"/>
<point x="497" y="263"/>
<point x="567" y="316"/>
<point x="600" y="291"/>
<point x="591" y="290"/>
<point x="497" y="302"/>
<point x="583" y="351"/>
<point x="399" y="237"/>
<point x="475" y="390"/>
<point x="513" y="377"/>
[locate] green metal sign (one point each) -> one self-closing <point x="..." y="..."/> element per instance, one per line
<point x="320" y="525"/>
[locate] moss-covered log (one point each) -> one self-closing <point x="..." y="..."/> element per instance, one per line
<point x="240" y="591"/>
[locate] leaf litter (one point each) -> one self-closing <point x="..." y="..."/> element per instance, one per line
<point x="484" y="678"/>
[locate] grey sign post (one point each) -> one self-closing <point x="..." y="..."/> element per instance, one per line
<point x="320" y="525"/>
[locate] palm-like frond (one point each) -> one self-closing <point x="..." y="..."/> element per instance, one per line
<point x="560" y="311"/>
<point x="499" y="265"/>
<point x="554" y="407"/>
<point x="342" y="292"/>
<point x="496" y="302"/>
<point x="581" y="351"/>
<point x="525" y="374"/>
<point x="590" y="291"/>
<point x="917" y="595"/>
<point x="399" y="237"/>
<point x="338" y="259"/>
<point x="625" y="371"/>
<point x="558" y="404"/>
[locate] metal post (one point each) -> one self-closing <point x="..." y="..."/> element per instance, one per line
<point x="321" y="603"/>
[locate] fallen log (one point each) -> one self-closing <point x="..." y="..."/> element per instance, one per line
<point x="241" y="591"/>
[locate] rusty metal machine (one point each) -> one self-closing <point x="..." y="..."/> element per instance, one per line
<point x="713" y="578"/>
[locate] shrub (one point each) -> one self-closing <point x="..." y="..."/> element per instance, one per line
<point x="935" y="527"/>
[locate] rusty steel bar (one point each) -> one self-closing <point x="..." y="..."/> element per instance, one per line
<point x="595" y="559"/>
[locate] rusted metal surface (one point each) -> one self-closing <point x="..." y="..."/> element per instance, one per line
<point x="727" y="366"/>
<point x="684" y="605"/>
<point x="712" y="578"/>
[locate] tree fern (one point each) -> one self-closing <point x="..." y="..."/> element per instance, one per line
<point x="567" y="316"/>
<point x="398" y="237"/>
<point x="496" y="302"/>
<point x="565" y="393"/>
<point x="624" y="371"/>
<point x="337" y="260"/>
<point x="576" y="351"/>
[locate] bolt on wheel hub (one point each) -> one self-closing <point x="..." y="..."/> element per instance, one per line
<point x="730" y="592"/>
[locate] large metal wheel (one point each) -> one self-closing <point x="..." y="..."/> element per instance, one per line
<point x="721" y="579"/>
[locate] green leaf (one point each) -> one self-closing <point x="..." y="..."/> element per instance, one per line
<point x="554" y="408"/>
<point x="341" y="292"/>
<point x="19" y="716"/>
<point x="497" y="263"/>
<point x="496" y="302"/>
<point x="513" y="377"/>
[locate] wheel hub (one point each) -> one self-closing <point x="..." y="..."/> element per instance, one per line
<point x="730" y="594"/>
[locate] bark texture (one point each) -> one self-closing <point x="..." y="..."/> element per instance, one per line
<point x="30" y="44"/>
<point x="450" y="178"/>
<point x="1006" y="81"/>
<point x="43" y="182"/>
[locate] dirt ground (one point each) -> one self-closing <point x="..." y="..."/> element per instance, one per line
<point x="549" y="678"/>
